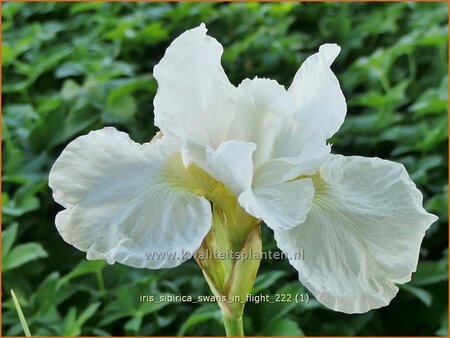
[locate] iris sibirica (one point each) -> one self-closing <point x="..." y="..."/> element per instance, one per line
<point x="230" y="157"/>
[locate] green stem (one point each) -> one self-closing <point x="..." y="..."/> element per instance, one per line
<point x="233" y="325"/>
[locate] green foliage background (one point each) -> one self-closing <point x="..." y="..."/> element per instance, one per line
<point x="73" y="67"/>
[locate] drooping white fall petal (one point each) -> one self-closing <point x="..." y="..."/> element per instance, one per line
<point x="126" y="201"/>
<point x="281" y="206"/>
<point x="362" y="235"/>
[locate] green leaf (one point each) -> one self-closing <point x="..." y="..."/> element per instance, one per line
<point x="18" y="207"/>
<point x="87" y="313"/>
<point x="443" y="330"/>
<point x="282" y="327"/>
<point x="7" y="54"/>
<point x="70" y="69"/>
<point x="430" y="273"/>
<point x="69" y="325"/>
<point x="120" y="109"/>
<point x="48" y="295"/>
<point x="8" y="237"/>
<point x="22" y="254"/>
<point x="23" y="322"/>
<point x="86" y="6"/>
<point x="204" y="313"/>
<point x="152" y="33"/>
<point x="421" y="294"/>
<point x="72" y="325"/>
<point x="70" y="89"/>
<point x="124" y="87"/>
<point x="134" y="324"/>
<point x="266" y="280"/>
<point x="84" y="268"/>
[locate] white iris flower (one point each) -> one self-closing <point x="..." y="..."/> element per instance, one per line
<point x="359" y="221"/>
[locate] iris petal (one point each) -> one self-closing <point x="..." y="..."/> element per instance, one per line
<point x="362" y="235"/>
<point x="125" y="201"/>
<point x="194" y="98"/>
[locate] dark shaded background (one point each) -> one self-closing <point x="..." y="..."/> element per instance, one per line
<point x="73" y="67"/>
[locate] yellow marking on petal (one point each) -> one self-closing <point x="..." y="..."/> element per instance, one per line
<point x="192" y="178"/>
<point x="299" y="177"/>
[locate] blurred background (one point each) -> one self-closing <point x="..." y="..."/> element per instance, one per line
<point x="69" y="68"/>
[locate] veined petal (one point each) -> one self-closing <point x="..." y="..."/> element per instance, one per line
<point x="318" y="102"/>
<point x="193" y="101"/>
<point x="231" y="163"/>
<point x="281" y="206"/>
<point x="362" y="235"/>
<point x="125" y="201"/>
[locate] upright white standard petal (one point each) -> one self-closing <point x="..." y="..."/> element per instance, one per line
<point x="318" y="101"/>
<point x="128" y="202"/>
<point x="362" y="235"/>
<point x="263" y="112"/>
<point x="317" y="111"/>
<point x="193" y="101"/>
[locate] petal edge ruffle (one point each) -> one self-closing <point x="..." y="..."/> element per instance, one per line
<point x="362" y="235"/>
